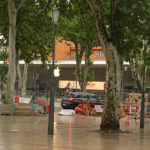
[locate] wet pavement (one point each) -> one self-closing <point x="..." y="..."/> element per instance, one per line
<point x="70" y="133"/>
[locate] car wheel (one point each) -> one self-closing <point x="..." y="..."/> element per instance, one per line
<point x="64" y="107"/>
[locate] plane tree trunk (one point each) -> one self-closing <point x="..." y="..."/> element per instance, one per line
<point x="86" y="68"/>
<point x="136" y="74"/>
<point x="13" y="8"/>
<point x="78" y="72"/>
<point x="11" y="76"/>
<point x="24" y="80"/>
<point x="111" y="113"/>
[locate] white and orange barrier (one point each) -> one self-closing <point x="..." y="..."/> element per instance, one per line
<point x="130" y="108"/>
<point x="18" y="99"/>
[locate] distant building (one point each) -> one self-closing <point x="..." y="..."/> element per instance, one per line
<point x="65" y="50"/>
<point x="65" y="59"/>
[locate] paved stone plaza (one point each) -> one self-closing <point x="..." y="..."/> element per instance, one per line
<point x="70" y="133"/>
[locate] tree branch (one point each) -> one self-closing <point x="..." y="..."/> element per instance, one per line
<point x="95" y="6"/>
<point x="115" y="26"/>
<point x="20" y="4"/>
<point x="135" y="74"/>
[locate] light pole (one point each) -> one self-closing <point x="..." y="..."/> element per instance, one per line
<point x="55" y="15"/>
<point x="143" y="89"/>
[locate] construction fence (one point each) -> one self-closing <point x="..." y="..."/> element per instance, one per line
<point x="40" y="106"/>
<point x="25" y="106"/>
<point x="132" y="105"/>
<point x="128" y="106"/>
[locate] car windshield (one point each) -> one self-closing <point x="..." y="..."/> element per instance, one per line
<point x="70" y="95"/>
<point x="92" y="98"/>
<point x="84" y="96"/>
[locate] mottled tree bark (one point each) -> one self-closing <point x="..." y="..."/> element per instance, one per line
<point x="78" y="64"/>
<point x="24" y="80"/>
<point x="86" y="68"/>
<point x="111" y="114"/>
<point x="19" y="77"/>
<point x="12" y="12"/>
<point x="11" y="76"/>
<point x="136" y="74"/>
<point x="82" y="70"/>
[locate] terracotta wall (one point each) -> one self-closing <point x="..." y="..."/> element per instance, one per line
<point x="62" y="49"/>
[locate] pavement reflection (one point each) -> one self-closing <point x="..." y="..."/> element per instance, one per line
<point x="71" y="133"/>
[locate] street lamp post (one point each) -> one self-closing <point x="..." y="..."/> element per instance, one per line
<point x="55" y="15"/>
<point x="143" y="89"/>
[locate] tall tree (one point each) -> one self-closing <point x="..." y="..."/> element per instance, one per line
<point x="111" y="46"/>
<point x="28" y="41"/>
<point x="135" y="43"/>
<point x="113" y="20"/>
<point x="13" y="8"/>
<point x="76" y="25"/>
<point x="34" y="36"/>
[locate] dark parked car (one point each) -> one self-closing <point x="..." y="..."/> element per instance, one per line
<point x="72" y="99"/>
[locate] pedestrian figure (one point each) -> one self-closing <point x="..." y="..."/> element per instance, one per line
<point x="67" y="88"/>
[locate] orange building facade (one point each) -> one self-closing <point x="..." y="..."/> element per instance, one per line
<point x="65" y="50"/>
<point x="65" y="59"/>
